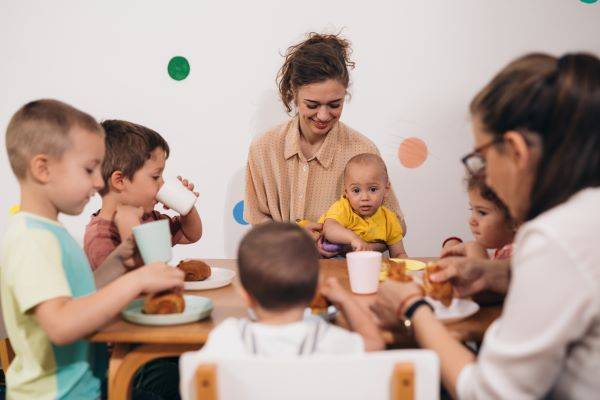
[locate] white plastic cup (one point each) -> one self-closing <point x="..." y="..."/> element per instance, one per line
<point x="363" y="270"/>
<point x="176" y="196"/>
<point x="154" y="241"/>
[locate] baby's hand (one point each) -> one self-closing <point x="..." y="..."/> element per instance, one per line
<point x="189" y="185"/>
<point x="334" y="292"/>
<point x="360" y="245"/>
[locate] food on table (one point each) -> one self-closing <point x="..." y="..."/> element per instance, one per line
<point x="168" y="302"/>
<point x="195" y="270"/>
<point x="397" y="271"/>
<point x="394" y="270"/>
<point x="319" y="304"/>
<point x="441" y="291"/>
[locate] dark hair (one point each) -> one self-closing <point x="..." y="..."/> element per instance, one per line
<point x="367" y="159"/>
<point x="128" y="146"/>
<point x="318" y="58"/>
<point x="559" y="101"/>
<point x="279" y="265"/>
<point x="477" y="182"/>
<point x="42" y="127"/>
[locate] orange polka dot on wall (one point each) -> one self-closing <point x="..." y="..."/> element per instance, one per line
<point x="412" y="152"/>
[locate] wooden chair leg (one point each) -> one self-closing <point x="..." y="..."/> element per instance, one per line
<point x="206" y="382"/>
<point x="6" y="354"/>
<point x="124" y="362"/>
<point x="403" y="382"/>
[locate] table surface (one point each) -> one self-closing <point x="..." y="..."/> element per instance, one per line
<point x="228" y="303"/>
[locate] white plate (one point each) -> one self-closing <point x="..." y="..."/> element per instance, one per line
<point x="459" y="309"/>
<point x="219" y="277"/>
<point x="196" y="308"/>
<point x="329" y="315"/>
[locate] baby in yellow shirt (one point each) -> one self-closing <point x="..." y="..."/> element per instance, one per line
<point x="359" y="218"/>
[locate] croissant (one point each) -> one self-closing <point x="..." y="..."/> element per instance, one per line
<point x="397" y="271"/>
<point x="168" y="302"/>
<point x="195" y="270"/>
<point x="441" y="291"/>
<point x="319" y="304"/>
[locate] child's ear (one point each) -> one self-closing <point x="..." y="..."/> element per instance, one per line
<point x="116" y="181"/>
<point x="249" y="301"/>
<point x="39" y="168"/>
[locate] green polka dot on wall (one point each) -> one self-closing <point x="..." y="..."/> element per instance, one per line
<point x="178" y="68"/>
<point x="412" y="152"/>
<point x="589" y="1"/>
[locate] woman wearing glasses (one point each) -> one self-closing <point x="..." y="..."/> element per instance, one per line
<point x="537" y="135"/>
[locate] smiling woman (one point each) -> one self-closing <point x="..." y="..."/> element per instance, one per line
<point x="295" y="170"/>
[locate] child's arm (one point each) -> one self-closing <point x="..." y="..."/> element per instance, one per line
<point x="191" y="224"/>
<point x="119" y="261"/>
<point x="67" y="319"/>
<point x="360" y="321"/>
<point x="336" y="233"/>
<point x="397" y="250"/>
<point x="126" y="218"/>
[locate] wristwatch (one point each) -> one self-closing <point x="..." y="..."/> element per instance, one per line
<point x="406" y="321"/>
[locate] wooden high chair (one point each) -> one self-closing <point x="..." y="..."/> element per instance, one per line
<point x="399" y="374"/>
<point x="6" y="354"/>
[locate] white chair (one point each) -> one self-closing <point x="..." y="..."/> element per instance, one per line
<point x="398" y="374"/>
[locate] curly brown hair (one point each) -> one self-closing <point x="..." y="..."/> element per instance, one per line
<point x="316" y="59"/>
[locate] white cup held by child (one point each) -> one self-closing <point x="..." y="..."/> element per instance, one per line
<point x="363" y="270"/>
<point x="153" y="239"/>
<point x="176" y="196"/>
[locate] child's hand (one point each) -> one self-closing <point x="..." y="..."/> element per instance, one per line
<point x="360" y="245"/>
<point x="189" y="185"/>
<point x="468" y="249"/>
<point x="334" y="292"/>
<point x="126" y="217"/>
<point x="127" y="253"/>
<point x="157" y="277"/>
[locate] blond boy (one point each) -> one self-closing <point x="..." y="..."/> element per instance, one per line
<point x="49" y="300"/>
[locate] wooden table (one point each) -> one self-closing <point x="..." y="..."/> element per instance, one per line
<point x="135" y="345"/>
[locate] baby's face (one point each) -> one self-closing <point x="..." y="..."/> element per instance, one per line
<point x="488" y="224"/>
<point x="141" y="190"/>
<point x="365" y="187"/>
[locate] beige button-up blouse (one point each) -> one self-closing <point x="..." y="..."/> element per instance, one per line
<point x="282" y="185"/>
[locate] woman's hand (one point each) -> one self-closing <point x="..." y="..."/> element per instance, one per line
<point x="473" y="275"/>
<point x="324" y="253"/>
<point x="390" y="297"/>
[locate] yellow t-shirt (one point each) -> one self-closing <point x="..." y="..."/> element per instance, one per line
<point x="383" y="226"/>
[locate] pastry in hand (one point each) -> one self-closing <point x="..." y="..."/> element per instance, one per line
<point x="397" y="271"/>
<point x="168" y="302"/>
<point x="441" y="291"/>
<point x="319" y="304"/>
<point x="195" y="270"/>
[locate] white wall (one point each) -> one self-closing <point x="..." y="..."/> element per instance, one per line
<point x="418" y="65"/>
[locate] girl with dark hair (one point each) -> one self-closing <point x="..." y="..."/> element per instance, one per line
<point x="537" y="137"/>
<point x="491" y="224"/>
<point x="295" y="170"/>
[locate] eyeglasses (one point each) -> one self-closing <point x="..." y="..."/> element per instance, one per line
<point x="474" y="162"/>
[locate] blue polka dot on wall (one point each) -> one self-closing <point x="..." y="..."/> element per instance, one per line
<point x="238" y="213"/>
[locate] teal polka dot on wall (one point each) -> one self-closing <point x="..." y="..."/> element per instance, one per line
<point x="589" y="1"/>
<point x="178" y="68"/>
<point x="238" y="213"/>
